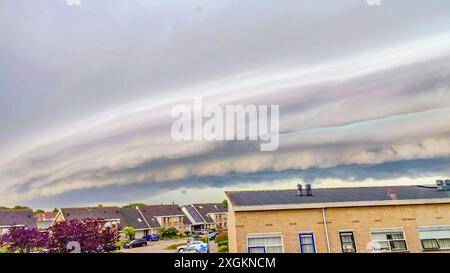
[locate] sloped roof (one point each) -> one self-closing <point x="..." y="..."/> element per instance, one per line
<point x="126" y="216"/>
<point x="194" y="215"/>
<point x="335" y="195"/>
<point x="205" y="209"/>
<point x="18" y="217"/>
<point x="134" y="218"/>
<point x="151" y="212"/>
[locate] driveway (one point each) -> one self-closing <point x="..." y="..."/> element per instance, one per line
<point x="160" y="247"/>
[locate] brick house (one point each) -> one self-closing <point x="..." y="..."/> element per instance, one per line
<point x="165" y="216"/>
<point x="366" y="219"/>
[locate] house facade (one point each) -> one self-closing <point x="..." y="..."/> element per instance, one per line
<point x="165" y="216"/>
<point x="16" y="217"/>
<point x="372" y="219"/>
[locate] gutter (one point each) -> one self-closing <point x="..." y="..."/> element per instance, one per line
<point x="326" y="229"/>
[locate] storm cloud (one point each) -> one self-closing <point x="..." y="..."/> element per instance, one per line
<point x="86" y="94"/>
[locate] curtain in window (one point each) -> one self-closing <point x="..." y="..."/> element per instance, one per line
<point x="307" y="243"/>
<point x="264" y="241"/>
<point x="395" y="236"/>
<point x="430" y="244"/>
<point x="444" y="243"/>
<point x="398" y="245"/>
<point x="274" y="249"/>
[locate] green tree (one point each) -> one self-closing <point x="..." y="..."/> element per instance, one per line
<point x="55" y="210"/>
<point x="225" y="202"/>
<point x="20" y="207"/>
<point x="39" y="211"/>
<point x="130" y="232"/>
<point x="132" y="205"/>
<point x="100" y="206"/>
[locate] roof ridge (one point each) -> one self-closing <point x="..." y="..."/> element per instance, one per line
<point x="332" y="188"/>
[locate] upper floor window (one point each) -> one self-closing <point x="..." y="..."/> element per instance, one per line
<point x="265" y="243"/>
<point x="347" y="242"/>
<point x="388" y="241"/>
<point x="307" y="244"/>
<point x="435" y="238"/>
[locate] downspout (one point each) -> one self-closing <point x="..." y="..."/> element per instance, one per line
<point x="326" y="229"/>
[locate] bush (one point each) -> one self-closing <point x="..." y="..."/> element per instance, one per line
<point x="222" y="249"/>
<point x="3" y="250"/>
<point x="168" y="232"/>
<point x="221" y="236"/>
<point x="223" y="243"/>
<point x="122" y="243"/>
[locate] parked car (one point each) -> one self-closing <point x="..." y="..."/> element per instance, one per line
<point x="136" y="243"/>
<point x="212" y="235"/>
<point x="195" y="246"/>
<point x="199" y="231"/>
<point x="110" y="247"/>
<point x="151" y="237"/>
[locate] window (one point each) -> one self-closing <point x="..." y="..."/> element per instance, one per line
<point x="388" y="241"/>
<point x="435" y="238"/>
<point x="347" y="242"/>
<point x="265" y="243"/>
<point x="307" y="244"/>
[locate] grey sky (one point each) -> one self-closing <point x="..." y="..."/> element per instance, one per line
<point x="69" y="76"/>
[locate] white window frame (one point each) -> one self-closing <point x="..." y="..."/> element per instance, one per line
<point x="354" y="238"/>
<point x="264" y="235"/>
<point x="388" y="230"/>
<point x="433" y="228"/>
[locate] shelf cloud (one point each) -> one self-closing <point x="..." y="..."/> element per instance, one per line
<point x="86" y="100"/>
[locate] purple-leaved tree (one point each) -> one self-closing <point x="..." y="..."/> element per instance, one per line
<point x="24" y="240"/>
<point x="91" y="235"/>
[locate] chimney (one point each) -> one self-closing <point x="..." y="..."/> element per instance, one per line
<point x="299" y="190"/>
<point x="308" y="190"/>
<point x="441" y="185"/>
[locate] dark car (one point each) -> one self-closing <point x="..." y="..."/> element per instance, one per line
<point x="151" y="237"/>
<point x="136" y="243"/>
<point x="110" y="247"/>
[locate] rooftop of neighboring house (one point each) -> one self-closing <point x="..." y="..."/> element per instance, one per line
<point x="205" y="209"/>
<point x="125" y="216"/>
<point x="46" y="216"/>
<point x="134" y="218"/>
<point x="18" y="217"/>
<point x="193" y="215"/>
<point x="151" y="212"/>
<point x="336" y="197"/>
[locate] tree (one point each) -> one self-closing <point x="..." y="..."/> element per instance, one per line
<point x="100" y="206"/>
<point x="24" y="240"/>
<point x="20" y="207"/>
<point x="130" y="232"/>
<point x="132" y="205"/>
<point x="55" y="210"/>
<point x="39" y="211"/>
<point x="91" y="235"/>
<point x="225" y="202"/>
